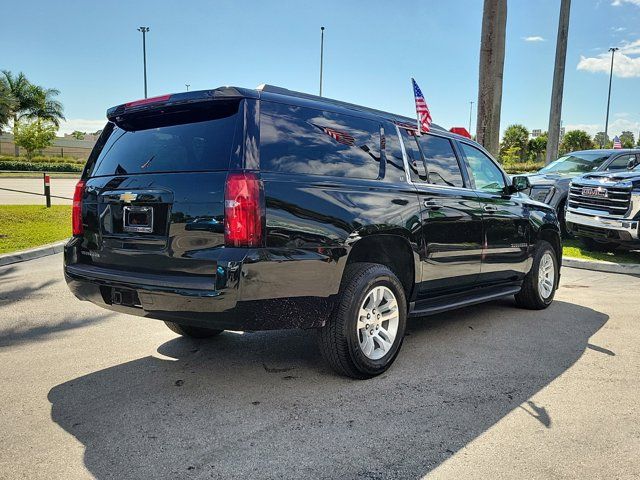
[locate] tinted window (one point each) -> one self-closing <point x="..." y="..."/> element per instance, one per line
<point x="393" y="155"/>
<point x="576" y="162"/>
<point x="620" y="163"/>
<point x="305" y="140"/>
<point x="416" y="165"/>
<point x="486" y="175"/>
<point x="200" y="139"/>
<point x="442" y="165"/>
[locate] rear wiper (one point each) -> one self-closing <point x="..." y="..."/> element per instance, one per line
<point x="146" y="164"/>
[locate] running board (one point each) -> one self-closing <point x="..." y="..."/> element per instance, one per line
<point x="431" y="307"/>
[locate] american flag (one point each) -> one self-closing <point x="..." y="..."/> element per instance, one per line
<point x="616" y="142"/>
<point x="340" y="137"/>
<point x="424" y="116"/>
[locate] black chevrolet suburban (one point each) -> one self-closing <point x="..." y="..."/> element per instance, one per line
<point x="265" y="209"/>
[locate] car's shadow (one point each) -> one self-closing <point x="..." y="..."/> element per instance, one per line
<point x="263" y="405"/>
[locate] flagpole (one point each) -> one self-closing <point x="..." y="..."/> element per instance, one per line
<point x="413" y="91"/>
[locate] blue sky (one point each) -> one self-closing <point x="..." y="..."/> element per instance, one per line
<point x="92" y="52"/>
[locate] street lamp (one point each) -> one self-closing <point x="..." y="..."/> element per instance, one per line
<point x="613" y="51"/>
<point x="321" y="55"/>
<point x="144" y="31"/>
<point x="187" y="85"/>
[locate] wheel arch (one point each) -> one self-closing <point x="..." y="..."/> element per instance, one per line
<point x="551" y="234"/>
<point x="392" y="250"/>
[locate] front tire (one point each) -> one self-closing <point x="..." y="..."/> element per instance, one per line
<point x="540" y="284"/>
<point x="191" y="331"/>
<point x="364" y="335"/>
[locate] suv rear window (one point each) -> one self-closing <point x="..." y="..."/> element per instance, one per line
<point x="183" y="140"/>
<point x="305" y="140"/>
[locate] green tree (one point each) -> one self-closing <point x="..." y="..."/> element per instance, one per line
<point x="537" y="147"/>
<point x="515" y="136"/>
<point x="78" y="135"/>
<point x="601" y="139"/>
<point x="576" y="140"/>
<point x="34" y="136"/>
<point x="627" y="139"/>
<point x="30" y="102"/>
<point x="6" y="103"/>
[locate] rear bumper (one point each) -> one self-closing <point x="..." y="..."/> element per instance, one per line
<point x="251" y="290"/>
<point x="614" y="229"/>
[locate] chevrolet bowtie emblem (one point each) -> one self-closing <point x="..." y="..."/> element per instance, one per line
<point x="128" y="197"/>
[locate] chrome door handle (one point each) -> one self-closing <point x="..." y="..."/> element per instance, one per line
<point x="432" y="204"/>
<point x="490" y="208"/>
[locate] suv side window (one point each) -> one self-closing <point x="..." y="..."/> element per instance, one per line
<point x="486" y="175"/>
<point x="416" y="166"/>
<point x="620" y="163"/>
<point x="303" y="140"/>
<point x="394" y="163"/>
<point x="442" y="164"/>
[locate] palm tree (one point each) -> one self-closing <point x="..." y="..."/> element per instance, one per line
<point x="492" y="46"/>
<point x="30" y="102"/>
<point x="6" y="103"/>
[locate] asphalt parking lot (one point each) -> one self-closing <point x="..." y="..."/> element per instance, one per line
<point x="484" y="392"/>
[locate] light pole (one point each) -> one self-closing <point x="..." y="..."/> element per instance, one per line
<point x="187" y="85"/>
<point x="613" y="51"/>
<point x="144" y="31"/>
<point x="470" y="112"/>
<point x="321" y="55"/>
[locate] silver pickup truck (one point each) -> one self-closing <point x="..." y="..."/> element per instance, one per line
<point x="603" y="209"/>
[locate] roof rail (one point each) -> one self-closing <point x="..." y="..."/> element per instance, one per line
<point x="292" y="93"/>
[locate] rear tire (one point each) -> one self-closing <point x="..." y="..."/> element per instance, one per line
<point x="191" y="331"/>
<point x="598" y="246"/>
<point x="364" y="334"/>
<point x="540" y="284"/>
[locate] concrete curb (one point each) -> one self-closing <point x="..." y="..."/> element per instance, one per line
<point x="601" y="266"/>
<point x="24" y="255"/>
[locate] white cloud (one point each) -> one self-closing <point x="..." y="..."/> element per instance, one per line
<point x="616" y="127"/>
<point x="617" y="3"/>
<point x="618" y="29"/>
<point x="80" y="124"/>
<point x="534" y="38"/>
<point x="624" y="65"/>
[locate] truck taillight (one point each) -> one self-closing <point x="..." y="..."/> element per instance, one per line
<point x="243" y="210"/>
<point x="76" y="211"/>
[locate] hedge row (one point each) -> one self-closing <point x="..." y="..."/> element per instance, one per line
<point x="41" y="167"/>
<point x="41" y="159"/>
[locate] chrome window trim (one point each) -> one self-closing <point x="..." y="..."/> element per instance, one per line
<point x="407" y="172"/>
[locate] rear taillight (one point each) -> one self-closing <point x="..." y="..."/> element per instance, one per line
<point x="76" y="211"/>
<point x="243" y="210"/>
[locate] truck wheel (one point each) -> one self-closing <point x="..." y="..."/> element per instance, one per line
<point x="365" y="332"/>
<point x="598" y="245"/>
<point x="191" y="331"/>
<point x="540" y="284"/>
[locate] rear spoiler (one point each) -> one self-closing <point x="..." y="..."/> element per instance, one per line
<point x="183" y="98"/>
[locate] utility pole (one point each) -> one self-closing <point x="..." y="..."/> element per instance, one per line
<point x="555" y="113"/>
<point x="144" y="31"/>
<point x="321" y="55"/>
<point x="613" y="51"/>
<point x="470" y="112"/>
<point x="492" y="43"/>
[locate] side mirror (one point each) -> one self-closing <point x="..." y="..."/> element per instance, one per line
<point x="519" y="183"/>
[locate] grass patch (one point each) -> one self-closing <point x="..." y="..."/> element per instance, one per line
<point x="28" y="226"/>
<point x="573" y="248"/>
